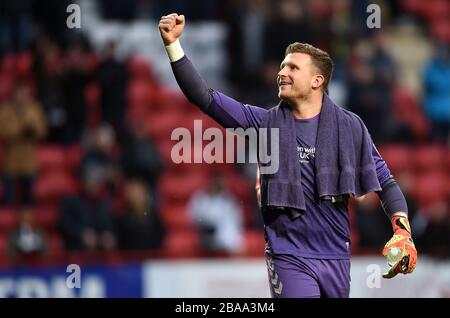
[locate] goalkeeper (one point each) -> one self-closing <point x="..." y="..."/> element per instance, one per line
<point x="327" y="157"/>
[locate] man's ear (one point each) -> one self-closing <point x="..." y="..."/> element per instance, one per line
<point x="317" y="81"/>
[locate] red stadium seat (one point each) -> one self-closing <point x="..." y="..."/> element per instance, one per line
<point x="198" y="119"/>
<point x="140" y="69"/>
<point x="168" y="98"/>
<point x="254" y="242"/>
<point x="176" y="217"/>
<point x="430" y="188"/>
<point x="9" y="219"/>
<point x="6" y="86"/>
<point x="160" y="125"/>
<point x="243" y="190"/>
<point x="318" y="9"/>
<point x="185" y="243"/>
<point x="165" y="149"/>
<point x="55" y="246"/>
<point x="429" y="158"/>
<point x="447" y="156"/>
<point x="24" y="65"/>
<point x="47" y="217"/>
<point x="441" y="29"/>
<point x="420" y="126"/>
<point x="179" y="188"/>
<point x="397" y="157"/>
<point x="250" y="211"/>
<point x="73" y="156"/>
<point x="3" y="244"/>
<point x="433" y="10"/>
<point x="206" y="121"/>
<point x="91" y="62"/>
<point x="51" y="157"/>
<point x="8" y="64"/>
<point x="239" y="185"/>
<point x="407" y="110"/>
<point x="140" y="92"/>
<point x="50" y="187"/>
<point x="448" y="186"/>
<point x="138" y="108"/>
<point x="413" y="6"/>
<point x="92" y="95"/>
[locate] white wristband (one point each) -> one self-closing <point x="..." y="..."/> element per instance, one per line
<point x="174" y="51"/>
<point x="400" y="213"/>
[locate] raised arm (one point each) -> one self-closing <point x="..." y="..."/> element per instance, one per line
<point x="225" y="110"/>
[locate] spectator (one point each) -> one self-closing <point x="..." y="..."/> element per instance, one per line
<point x="75" y="78"/>
<point x="86" y="219"/>
<point x="365" y="94"/>
<point x="22" y="125"/>
<point x="245" y="41"/>
<point x="219" y="218"/>
<point x="384" y="66"/>
<point x="119" y="10"/>
<point x="341" y="27"/>
<point x="433" y="236"/>
<point x="198" y="10"/>
<point x="112" y="77"/>
<point x="26" y="240"/>
<point x="50" y="16"/>
<point x="288" y="25"/>
<point x="15" y="25"/>
<point x="373" y="225"/>
<point x="437" y="92"/>
<point x="140" y="228"/>
<point x="100" y="156"/>
<point x="277" y="24"/>
<point x="139" y="156"/>
<point x="47" y="71"/>
<point x="385" y="72"/>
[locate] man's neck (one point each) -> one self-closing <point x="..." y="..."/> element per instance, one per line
<point x="307" y="108"/>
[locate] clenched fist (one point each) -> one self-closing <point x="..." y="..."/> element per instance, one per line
<point x="170" y="27"/>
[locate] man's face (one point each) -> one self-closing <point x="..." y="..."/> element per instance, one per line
<point x="296" y="77"/>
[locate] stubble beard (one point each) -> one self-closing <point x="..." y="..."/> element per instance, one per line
<point x="292" y="99"/>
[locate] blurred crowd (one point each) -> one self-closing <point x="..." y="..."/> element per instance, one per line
<point x="58" y="95"/>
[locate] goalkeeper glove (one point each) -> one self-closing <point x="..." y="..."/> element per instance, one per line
<point x="403" y="243"/>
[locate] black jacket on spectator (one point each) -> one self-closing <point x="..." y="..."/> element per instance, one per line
<point x="112" y="77"/>
<point x="140" y="159"/>
<point x="79" y="213"/>
<point x="134" y="233"/>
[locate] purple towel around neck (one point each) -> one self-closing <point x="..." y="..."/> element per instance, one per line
<point x="343" y="161"/>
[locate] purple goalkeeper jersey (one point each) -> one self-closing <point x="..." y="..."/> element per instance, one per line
<point x="321" y="231"/>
